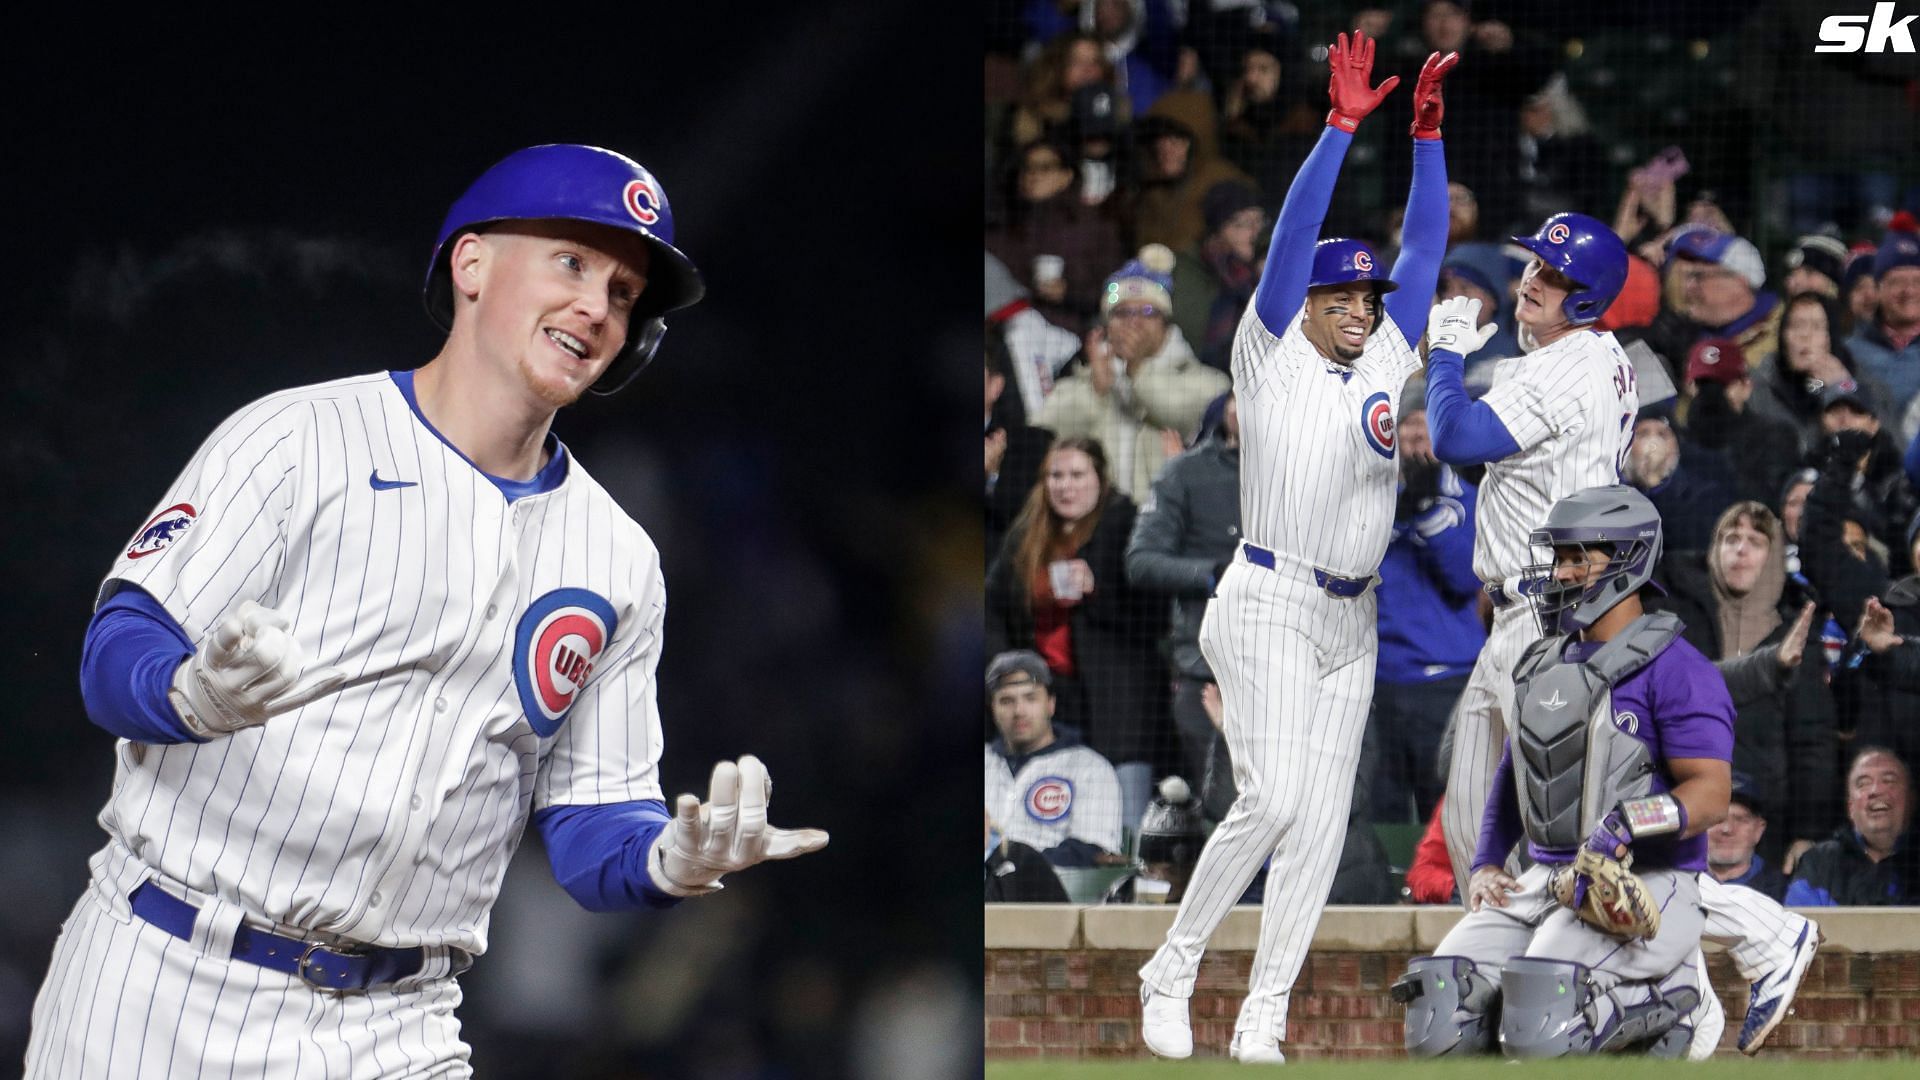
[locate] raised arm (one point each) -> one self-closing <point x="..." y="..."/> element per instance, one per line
<point x="1423" y="232"/>
<point x="1283" y="285"/>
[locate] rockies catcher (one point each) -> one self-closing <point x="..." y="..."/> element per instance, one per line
<point x="1617" y="763"/>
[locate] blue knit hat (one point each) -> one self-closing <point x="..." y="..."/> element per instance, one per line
<point x="1146" y="279"/>
<point x="1898" y="248"/>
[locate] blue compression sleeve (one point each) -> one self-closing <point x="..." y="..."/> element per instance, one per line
<point x="1283" y="284"/>
<point x="1465" y="432"/>
<point x="126" y="668"/>
<point x="599" y="853"/>
<point x="1423" y="240"/>
<point x="1500" y="827"/>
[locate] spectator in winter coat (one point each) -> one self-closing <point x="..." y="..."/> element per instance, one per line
<point x="1870" y="860"/>
<point x="1811" y="356"/>
<point x="1140" y="391"/>
<point x="1183" y="539"/>
<point x="1056" y="246"/>
<point x="1731" y="857"/>
<point x="1886" y="677"/>
<point x="1888" y="347"/>
<point x="1059" y="588"/>
<point x="1430" y="628"/>
<point x="1881" y="484"/>
<point x="1213" y="283"/>
<point x="1733" y="599"/>
<point x="1721" y="282"/>
<point x="1688" y="489"/>
<point x="1761" y="451"/>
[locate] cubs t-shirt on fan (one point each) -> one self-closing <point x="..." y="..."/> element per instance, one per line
<point x="1063" y="791"/>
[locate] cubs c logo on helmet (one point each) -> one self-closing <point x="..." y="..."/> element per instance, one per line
<point x="1363" y="262"/>
<point x="160" y="532"/>
<point x="1558" y="232"/>
<point x="1050" y="799"/>
<point x="559" y="640"/>
<point x="1376" y="419"/>
<point x="643" y="201"/>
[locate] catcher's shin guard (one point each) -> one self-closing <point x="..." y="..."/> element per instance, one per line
<point x="1549" y="1009"/>
<point x="1451" y="1007"/>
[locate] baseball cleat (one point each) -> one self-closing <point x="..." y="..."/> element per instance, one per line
<point x="1251" y="1048"/>
<point x="1709" y="1020"/>
<point x="1770" y="998"/>
<point x="1164" y="1026"/>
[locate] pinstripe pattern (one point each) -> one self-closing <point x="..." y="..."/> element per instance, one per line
<point x="385" y="813"/>
<point x="1295" y="665"/>
<point x="1570" y="407"/>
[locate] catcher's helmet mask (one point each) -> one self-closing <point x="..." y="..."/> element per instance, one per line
<point x="571" y="182"/>
<point x="1617" y="519"/>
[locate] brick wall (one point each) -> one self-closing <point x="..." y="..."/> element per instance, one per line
<point x="1081" y="998"/>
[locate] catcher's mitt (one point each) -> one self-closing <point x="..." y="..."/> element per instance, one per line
<point x="1606" y="895"/>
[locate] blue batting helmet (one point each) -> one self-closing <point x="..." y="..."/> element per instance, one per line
<point x="1587" y="253"/>
<point x="578" y="183"/>
<point x="1338" y="261"/>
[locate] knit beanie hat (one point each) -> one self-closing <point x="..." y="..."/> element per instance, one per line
<point x="1147" y="279"/>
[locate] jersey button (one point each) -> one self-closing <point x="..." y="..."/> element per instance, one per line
<point x="374" y="900"/>
<point x="416" y="802"/>
<point x="492" y="610"/>
<point x="440" y="704"/>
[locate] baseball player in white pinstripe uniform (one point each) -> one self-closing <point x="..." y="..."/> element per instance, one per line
<point x="375" y="626"/>
<point x="1291" y="632"/>
<point x="1556" y="421"/>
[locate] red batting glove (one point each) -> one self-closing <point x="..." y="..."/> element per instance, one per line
<point x="1427" y="105"/>
<point x="1352" y="70"/>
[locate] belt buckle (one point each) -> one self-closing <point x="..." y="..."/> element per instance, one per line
<point x="304" y="966"/>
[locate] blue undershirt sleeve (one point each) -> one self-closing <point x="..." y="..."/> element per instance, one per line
<point x="1500" y="827"/>
<point x="1465" y="432"/>
<point x="1423" y="241"/>
<point x="126" y="668"/>
<point x="599" y="853"/>
<point x="1283" y="284"/>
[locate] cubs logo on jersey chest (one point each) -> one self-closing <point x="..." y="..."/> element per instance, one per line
<point x="560" y="638"/>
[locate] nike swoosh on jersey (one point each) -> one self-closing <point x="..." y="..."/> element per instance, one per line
<point x="388" y="485"/>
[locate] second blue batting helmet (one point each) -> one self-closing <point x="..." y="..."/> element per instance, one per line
<point x="1339" y="260"/>
<point x="1587" y="253"/>
<point x="578" y="183"/>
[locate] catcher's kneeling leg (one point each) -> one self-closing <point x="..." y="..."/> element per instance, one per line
<point x="1451" y="1007"/>
<point x="1550" y="1008"/>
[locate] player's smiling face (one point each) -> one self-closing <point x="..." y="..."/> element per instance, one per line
<point x="1339" y="318"/>
<point x="1542" y="292"/>
<point x="555" y="302"/>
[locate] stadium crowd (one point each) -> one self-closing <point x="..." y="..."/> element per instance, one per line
<point x="1136" y="150"/>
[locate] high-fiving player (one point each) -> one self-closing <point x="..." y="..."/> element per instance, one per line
<point x="1559" y="420"/>
<point x="1291" y="629"/>
<point x="395" y="619"/>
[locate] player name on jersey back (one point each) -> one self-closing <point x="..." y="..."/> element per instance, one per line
<point x="501" y="657"/>
<point x="1570" y="406"/>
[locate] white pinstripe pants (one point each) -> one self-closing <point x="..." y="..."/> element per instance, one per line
<point x="1759" y="934"/>
<point x="1296" y="679"/>
<point x="125" y="999"/>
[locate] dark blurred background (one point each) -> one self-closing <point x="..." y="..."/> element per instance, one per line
<point x="200" y="216"/>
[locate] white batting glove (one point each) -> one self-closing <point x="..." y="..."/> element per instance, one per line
<point x="247" y="670"/>
<point x="1454" y="325"/>
<point x="727" y="832"/>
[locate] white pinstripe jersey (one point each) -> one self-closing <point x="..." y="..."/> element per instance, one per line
<point x="1570" y="407"/>
<point x="501" y="658"/>
<point x="1317" y="443"/>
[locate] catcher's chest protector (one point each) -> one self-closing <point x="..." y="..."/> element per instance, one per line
<point x="1570" y="763"/>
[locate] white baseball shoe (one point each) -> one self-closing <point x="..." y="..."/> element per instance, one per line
<point x="1770" y="998"/>
<point x="1709" y="1020"/>
<point x="1251" y="1048"/>
<point x="1164" y="1026"/>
